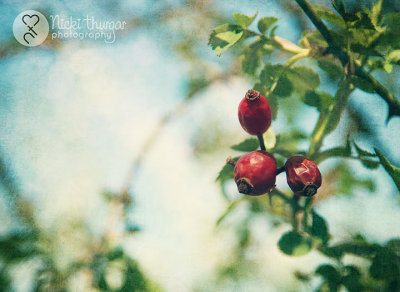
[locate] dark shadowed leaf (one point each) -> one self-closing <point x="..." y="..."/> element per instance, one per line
<point x="294" y="244"/>
<point x="330" y="275"/>
<point x="385" y="265"/>
<point x="134" y="278"/>
<point x="351" y="280"/>
<point x="18" y="246"/>
<point x="319" y="228"/>
<point x="370" y="164"/>
<point x="394" y="245"/>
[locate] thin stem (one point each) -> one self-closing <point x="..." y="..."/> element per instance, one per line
<point x="295" y="209"/>
<point x="280" y="170"/>
<point x="281" y="195"/>
<point x="307" y="209"/>
<point x="261" y="141"/>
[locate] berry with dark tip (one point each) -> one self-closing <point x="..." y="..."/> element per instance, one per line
<point x="255" y="173"/>
<point x="303" y="176"/>
<point x="254" y="113"/>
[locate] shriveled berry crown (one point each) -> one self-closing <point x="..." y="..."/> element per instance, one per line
<point x="252" y="94"/>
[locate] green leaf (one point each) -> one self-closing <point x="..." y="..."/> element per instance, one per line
<point x="394" y="57"/>
<point x="362" y="249"/>
<point x="265" y="23"/>
<point x="224" y="37"/>
<point x="394" y="245"/>
<point x="270" y="74"/>
<point x="393" y="171"/>
<point x="226" y="173"/>
<point x="134" y="278"/>
<point x="385" y="265"/>
<point x="284" y="87"/>
<point x="319" y="228"/>
<point x="341" y="97"/>
<point x="388" y="68"/>
<point x="392" y="19"/>
<point x="363" y="21"/>
<point x="351" y="280"/>
<point x="339" y="6"/>
<point x="292" y="243"/>
<point x="314" y="39"/>
<point x="304" y="78"/>
<point x="116" y="253"/>
<point x="252" y="54"/>
<point x="370" y="164"/>
<point x="329" y="15"/>
<point x="321" y="100"/>
<point x="243" y="20"/>
<point x="247" y="145"/>
<point x="272" y="99"/>
<point x="375" y="14"/>
<point x="366" y="157"/>
<point x="362" y="84"/>
<point x="363" y="153"/>
<point x="331" y="66"/>
<point x="330" y="275"/>
<point x="18" y="246"/>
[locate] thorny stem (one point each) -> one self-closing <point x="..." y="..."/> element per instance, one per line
<point x="394" y="104"/>
<point x="261" y="141"/>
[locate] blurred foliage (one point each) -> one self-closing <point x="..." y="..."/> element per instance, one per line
<point x="361" y="42"/>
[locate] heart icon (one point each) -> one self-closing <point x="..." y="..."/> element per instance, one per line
<point x="32" y="19"/>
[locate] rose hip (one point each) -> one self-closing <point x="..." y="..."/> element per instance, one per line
<point x="254" y="113"/>
<point x="255" y="173"/>
<point x="303" y="176"/>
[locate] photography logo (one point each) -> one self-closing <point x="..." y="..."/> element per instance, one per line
<point x="30" y="28"/>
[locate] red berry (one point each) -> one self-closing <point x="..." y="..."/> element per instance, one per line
<point x="303" y="176"/>
<point x="255" y="173"/>
<point x="254" y="113"/>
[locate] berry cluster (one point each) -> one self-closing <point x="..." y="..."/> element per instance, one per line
<point x="255" y="172"/>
